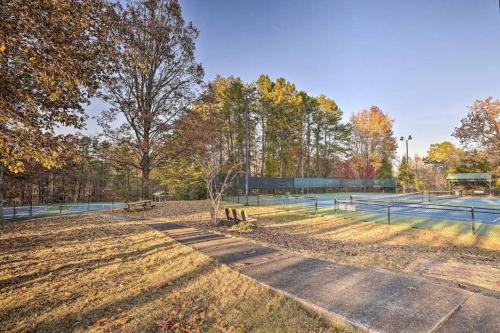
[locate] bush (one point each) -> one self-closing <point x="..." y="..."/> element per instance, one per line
<point x="244" y="227"/>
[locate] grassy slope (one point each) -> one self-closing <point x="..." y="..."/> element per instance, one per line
<point x="84" y="273"/>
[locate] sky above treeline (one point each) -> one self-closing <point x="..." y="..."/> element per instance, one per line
<point x="422" y="62"/>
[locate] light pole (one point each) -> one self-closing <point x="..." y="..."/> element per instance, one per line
<point x="247" y="153"/>
<point x="407" y="139"/>
<point x="407" y="159"/>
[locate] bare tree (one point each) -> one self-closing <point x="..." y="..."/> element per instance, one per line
<point x="218" y="177"/>
<point x="155" y="84"/>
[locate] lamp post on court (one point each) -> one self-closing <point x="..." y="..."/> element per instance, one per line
<point x="407" y="139"/>
<point x="246" y="97"/>
<point x="407" y="158"/>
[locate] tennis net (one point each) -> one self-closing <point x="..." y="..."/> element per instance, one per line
<point x="403" y="197"/>
<point x="443" y="195"/>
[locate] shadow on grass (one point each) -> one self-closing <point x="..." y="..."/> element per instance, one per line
<point x="283" y="218"/>
<point x="123" y="304"/>
<point x="72" y="233"/>
<point x="40" y="276"/>
<point x="319" y="227"/>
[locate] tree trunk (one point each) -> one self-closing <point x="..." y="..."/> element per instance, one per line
<point x="301" y="157"/>
<point x="317" y="156"/>
<point x="308" y="159"/>
<point x="262" y="170"/>
<point x="146" y="170"/>
<point x="281" y="160"/>
<point x="63" y="186"/>
<point x="40" y="192"/>
<point x="101" y="181"/>
<point x="325" y="155"/>
<point x="1" y="192"/>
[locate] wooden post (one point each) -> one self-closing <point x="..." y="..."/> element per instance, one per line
<point x="389" y="213"/>
<point x="473" y="220"/>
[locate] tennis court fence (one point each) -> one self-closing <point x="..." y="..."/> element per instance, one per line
<point x="23" y="212"/>
<point x="407" y="207"/>
<point x="426" y="211"/>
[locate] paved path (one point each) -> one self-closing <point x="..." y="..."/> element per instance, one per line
<point x="372" y="300"/>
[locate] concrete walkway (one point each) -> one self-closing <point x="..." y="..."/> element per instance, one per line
<point x="371" y="300"/>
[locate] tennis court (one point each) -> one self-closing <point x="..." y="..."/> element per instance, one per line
<point x="419" y="209"/>
<point x="471" y="201"/>
<point x="22" y="212"/>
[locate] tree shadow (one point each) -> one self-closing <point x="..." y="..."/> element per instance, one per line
<point x="66" y="236"/>
<point x="40" y="276"/>
<point x="123" y="304"/>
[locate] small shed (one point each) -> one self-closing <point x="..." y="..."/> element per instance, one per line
<point x="470" y="179"/>
<point x="161" y="196"/>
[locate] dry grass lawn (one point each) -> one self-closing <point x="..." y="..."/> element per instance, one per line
<point x="463" y="259"/>
<point x="96" y="273"/>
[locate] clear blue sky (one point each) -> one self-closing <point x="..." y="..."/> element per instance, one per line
<point x="422" y="62"/>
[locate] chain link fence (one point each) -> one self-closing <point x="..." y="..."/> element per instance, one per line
<point x="396" y="211"/>
<point x="23" y="212"/>
<point x="413" y="209"/>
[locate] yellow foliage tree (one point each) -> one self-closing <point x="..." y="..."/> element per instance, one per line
<point x="53" y="54"/>
<point x="373" y="140"/>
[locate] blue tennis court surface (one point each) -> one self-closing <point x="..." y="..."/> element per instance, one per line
<point x="450" y="208"/>
<point x="21" y="212"/>
<point x="433" y="211"/>
<point x="472" y="201"/>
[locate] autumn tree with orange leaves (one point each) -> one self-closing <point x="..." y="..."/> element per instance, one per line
<point x="479" y="131"/>
<point x="373" y="144"/>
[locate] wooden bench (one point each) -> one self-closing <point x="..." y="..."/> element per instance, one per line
<point x="139" y="205"/>
<point x="244" y="217"/>
<point x="232" y="217"/>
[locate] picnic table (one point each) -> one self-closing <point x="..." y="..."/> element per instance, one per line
<point x="139" y="205"/>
